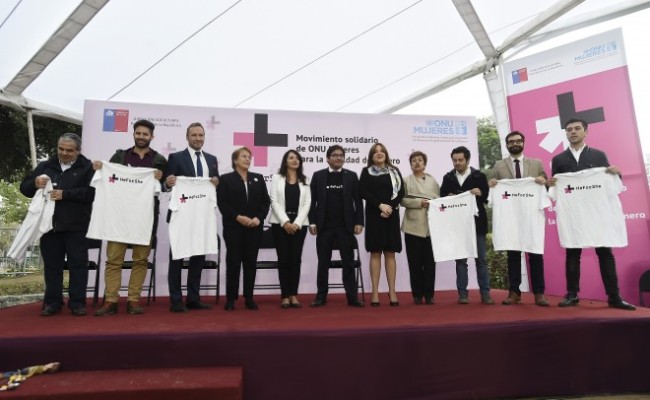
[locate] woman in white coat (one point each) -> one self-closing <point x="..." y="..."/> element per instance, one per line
<point x="290" y="202"/>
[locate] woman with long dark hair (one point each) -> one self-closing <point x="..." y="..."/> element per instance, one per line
<point x="290" y="202"/>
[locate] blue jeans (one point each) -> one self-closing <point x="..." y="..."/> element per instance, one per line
<point x="481" y="270"/>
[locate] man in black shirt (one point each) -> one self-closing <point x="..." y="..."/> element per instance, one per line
<point x="336" y="215"/>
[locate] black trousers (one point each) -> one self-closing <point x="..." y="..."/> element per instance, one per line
<point x="289" y="249"/>
<point x="536" y="262"/>
<point x="242" y="247"/>
<point x="193" y="279"/>
<point x="325" y="241"/>
<point x="607" y="265"/>
<point x="422" y="267"/>
<point x="55" y="246"/>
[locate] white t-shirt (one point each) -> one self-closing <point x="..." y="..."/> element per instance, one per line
<point x="193" y="223"/>
<point x="518" y="221"/>
<point x="123" y="206"/>
<point x="37" y="222"/>
<point x="589" y="212"/>
<point x="452" y="227"/>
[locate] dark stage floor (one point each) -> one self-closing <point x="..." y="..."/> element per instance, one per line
<point x="444" y="351"/>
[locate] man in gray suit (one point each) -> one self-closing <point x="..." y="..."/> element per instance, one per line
<point x="517" y="166"/>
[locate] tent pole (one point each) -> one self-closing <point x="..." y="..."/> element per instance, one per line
<point x="494" y="83"/>
<point x="32" y="140"/>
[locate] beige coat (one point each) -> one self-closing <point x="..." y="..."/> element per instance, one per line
<point x="415" y="220"/>
<point x="532" y="167"/>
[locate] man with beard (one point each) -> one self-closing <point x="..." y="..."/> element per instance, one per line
<point x="517" y="166"/>
<point x="461" y="179"/>
<point x="140" y="155"/>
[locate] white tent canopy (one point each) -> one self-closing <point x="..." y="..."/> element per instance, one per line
<point x="336" y="55"/>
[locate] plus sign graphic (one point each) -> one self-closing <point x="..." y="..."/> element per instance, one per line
<point x="553" y="127"/>
<point x="111" y="179"/>
<point x="212" y="123"/>
<point x="442" y="208"/>
<point x="183" y="198"/>
<point x="568" y="189"/>
<point x="505" y="195"/>
<point x="168" y="150"/>
<point x="260" y="140"/>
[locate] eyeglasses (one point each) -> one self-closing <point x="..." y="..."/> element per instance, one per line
<point x="337" y="155"/>
<point x="515" y="141"/>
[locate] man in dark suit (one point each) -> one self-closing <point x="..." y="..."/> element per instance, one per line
<point x="576" y="157"/>
<point x="189" y="162"/>
<point x="336" y="215"/>
<point x="517" y="166"/>
<point x="461" y="179"/>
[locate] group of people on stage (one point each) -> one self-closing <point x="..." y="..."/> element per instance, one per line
<point x="329" y="206"/>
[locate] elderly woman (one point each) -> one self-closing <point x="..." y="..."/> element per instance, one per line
<point x="244" y="203"/>
<point x="382" y="187"/>
<point x="420" y="187"/>
<point x="290" y="202"/>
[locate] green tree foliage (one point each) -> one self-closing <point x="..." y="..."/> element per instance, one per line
<point x="13" y="205"/>
<point x="14" y="151"/>
<point x="489" y="143"/>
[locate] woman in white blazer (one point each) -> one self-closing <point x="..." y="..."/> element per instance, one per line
<point x="290" y="202"/>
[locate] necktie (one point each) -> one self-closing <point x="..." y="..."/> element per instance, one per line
<point x="517" y="170"/>
<point x="199" y="167"/>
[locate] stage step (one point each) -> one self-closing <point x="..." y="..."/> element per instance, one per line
<point x="134" y="384"/>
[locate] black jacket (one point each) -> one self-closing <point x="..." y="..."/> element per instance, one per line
<point x="72" y="213"/>
<point x="233" y="200"/>
<point x="476" y="179"/>
<point x="353" y="211"/>
<point x="589" y="158"/>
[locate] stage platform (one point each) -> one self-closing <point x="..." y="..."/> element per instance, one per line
<point x="445" y="351"/>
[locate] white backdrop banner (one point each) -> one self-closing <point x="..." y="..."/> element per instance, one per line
<point x="107" y="126"/>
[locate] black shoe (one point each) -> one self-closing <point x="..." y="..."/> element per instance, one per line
<point x="251" y="305"/>
<point x="318" y="303"/>
<point x="285" y="305"/>
<point x="394" y="303"/>
<point x="570" y="300"/>
<point x="296" y="305"/>
<point x="197" y="305"/>
<point x="429" y="300"/>
<point x="178" y="308"/>
<point x="356" y="303"/>
<point x="417" y="300"/>
<point x="230" y="305"/>
<point x="617" y="302"/>
<point x="375" y="304"/>
<point x="48" y="311"/>
<point x="79" y="311"/>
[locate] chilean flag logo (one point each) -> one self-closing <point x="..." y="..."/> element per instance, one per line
<point x="116" y="120"/>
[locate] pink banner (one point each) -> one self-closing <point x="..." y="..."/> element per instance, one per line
<point x="605" y="100"/>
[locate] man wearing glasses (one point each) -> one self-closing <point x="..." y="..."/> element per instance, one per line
<point x="516" y="166"/>
<point x="336" y="215"/>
